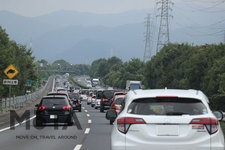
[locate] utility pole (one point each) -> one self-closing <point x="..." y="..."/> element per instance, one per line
<point x="148" y="39"/>
<point x="163" y="36"/>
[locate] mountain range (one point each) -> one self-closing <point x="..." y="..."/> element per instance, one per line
<point x="80" y="37"/>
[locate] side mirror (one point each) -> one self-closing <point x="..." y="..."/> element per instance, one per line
<point x="111" y="115"/>
<point x="219" y="115"/>
<point x="37" y="105"/>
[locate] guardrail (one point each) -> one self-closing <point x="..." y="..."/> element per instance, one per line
<point x="7" y="104"/>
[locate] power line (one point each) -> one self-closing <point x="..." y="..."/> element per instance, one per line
<point x="163" y="35"/>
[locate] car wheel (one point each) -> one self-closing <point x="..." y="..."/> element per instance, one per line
<point x="80" y="110"/>
<point x="92" y="105"/>
<point x="38" y="122"/>
<point x="70" y="123"/>
<point x="96" y="108"/>
<point x="111" y="121"/>
<point x="101" y="109"/>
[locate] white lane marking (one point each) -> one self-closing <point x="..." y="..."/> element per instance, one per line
<point x="89" y="121"/>
<point x="87" y="131"/>
<point x="1" y="130"/>
<point x="78" y="147"/>
<point x="85" y="110"/>
<point x="88" y="115"/>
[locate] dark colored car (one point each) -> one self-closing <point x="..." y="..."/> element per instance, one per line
<point x="106" y="99"/>
<point x="54" y="109"/>
<point x="76" y="103"/>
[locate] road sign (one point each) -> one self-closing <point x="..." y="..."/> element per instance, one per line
<point x="29" y="83"/>
<point x="37" y="83"/>
<point x="10" y="82"/>
<point x="11" y="71"/>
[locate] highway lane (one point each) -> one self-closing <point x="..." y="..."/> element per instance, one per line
<point x="99" y="137"/>
<point x="95" y="134"/>
<point x="43" y="138"/>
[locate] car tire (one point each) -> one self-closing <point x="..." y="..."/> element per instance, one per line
<point x="80" y="110"/>
<point x="38" y="122"/>
<point x="101" y="109"/>
<point x="111" y="122"/>
<point x="92" y="105"/>
<point x="70" y="123"/>
<point x="96" y="108"/>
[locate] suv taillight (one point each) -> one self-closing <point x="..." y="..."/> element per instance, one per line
<point x="41" y="108"/>
<point x="211" y="124"/>
<point x="123" y="124"/>
<point x="113" y="107"/>
<point x="67" y="107"/>
<point x="104" y="99"/>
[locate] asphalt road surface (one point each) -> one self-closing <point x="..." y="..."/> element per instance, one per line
<point x="95" y="134"/>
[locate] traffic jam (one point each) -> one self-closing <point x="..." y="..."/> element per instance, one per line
<point x="138" y="118"/>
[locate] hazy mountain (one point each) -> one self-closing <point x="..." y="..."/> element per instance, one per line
<point x="80" y="37"/>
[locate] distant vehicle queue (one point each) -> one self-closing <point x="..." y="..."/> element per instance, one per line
<point x="161" y="118"/>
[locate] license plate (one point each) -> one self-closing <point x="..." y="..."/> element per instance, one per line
<point x="53" y="116"/>
<point x="168" y="130"/>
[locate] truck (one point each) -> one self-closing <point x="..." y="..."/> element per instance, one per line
<point x="133" y="85"/>
<point x="95" y="82"/>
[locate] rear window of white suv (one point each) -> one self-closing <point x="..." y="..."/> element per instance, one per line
<point x="167" y="106"/>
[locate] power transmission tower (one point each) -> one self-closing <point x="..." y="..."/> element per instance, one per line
<point x="148" y="39"/>
<point x="163" y="36"/>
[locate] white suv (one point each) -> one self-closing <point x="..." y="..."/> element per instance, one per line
<point x="166" y="119"/>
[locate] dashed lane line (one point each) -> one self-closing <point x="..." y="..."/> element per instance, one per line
<point x="87" y="131"/>
<point x="77" y="147"/>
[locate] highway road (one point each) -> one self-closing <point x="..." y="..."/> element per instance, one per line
<point x="95" y="134"/>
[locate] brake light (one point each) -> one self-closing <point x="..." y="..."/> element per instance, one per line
<point x="211" y="124"/>
<point x="41" y="108"/>
<point x="123" y="124"/>
<point x="104" y="99"/>
<point x="113" y="107"/>
<point x="78" y="100"/>
<point x="67" y="107"/>
<point x="93" y="96"/>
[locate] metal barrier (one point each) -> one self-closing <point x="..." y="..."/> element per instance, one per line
<point x="7" y="104"/>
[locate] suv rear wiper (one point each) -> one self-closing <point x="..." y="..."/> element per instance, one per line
<point x="177" y="113"/>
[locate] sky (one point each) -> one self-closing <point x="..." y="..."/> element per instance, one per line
<point x="32" y="8"/>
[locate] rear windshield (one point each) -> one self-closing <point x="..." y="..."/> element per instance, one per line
<point x="99" y="95"/>
<point x="108" y="94"/>
<point x="167" y="106"/>
<point x="119" y="101"/>
<point x="54" y="102"/>
<point x="74" y="96"/>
